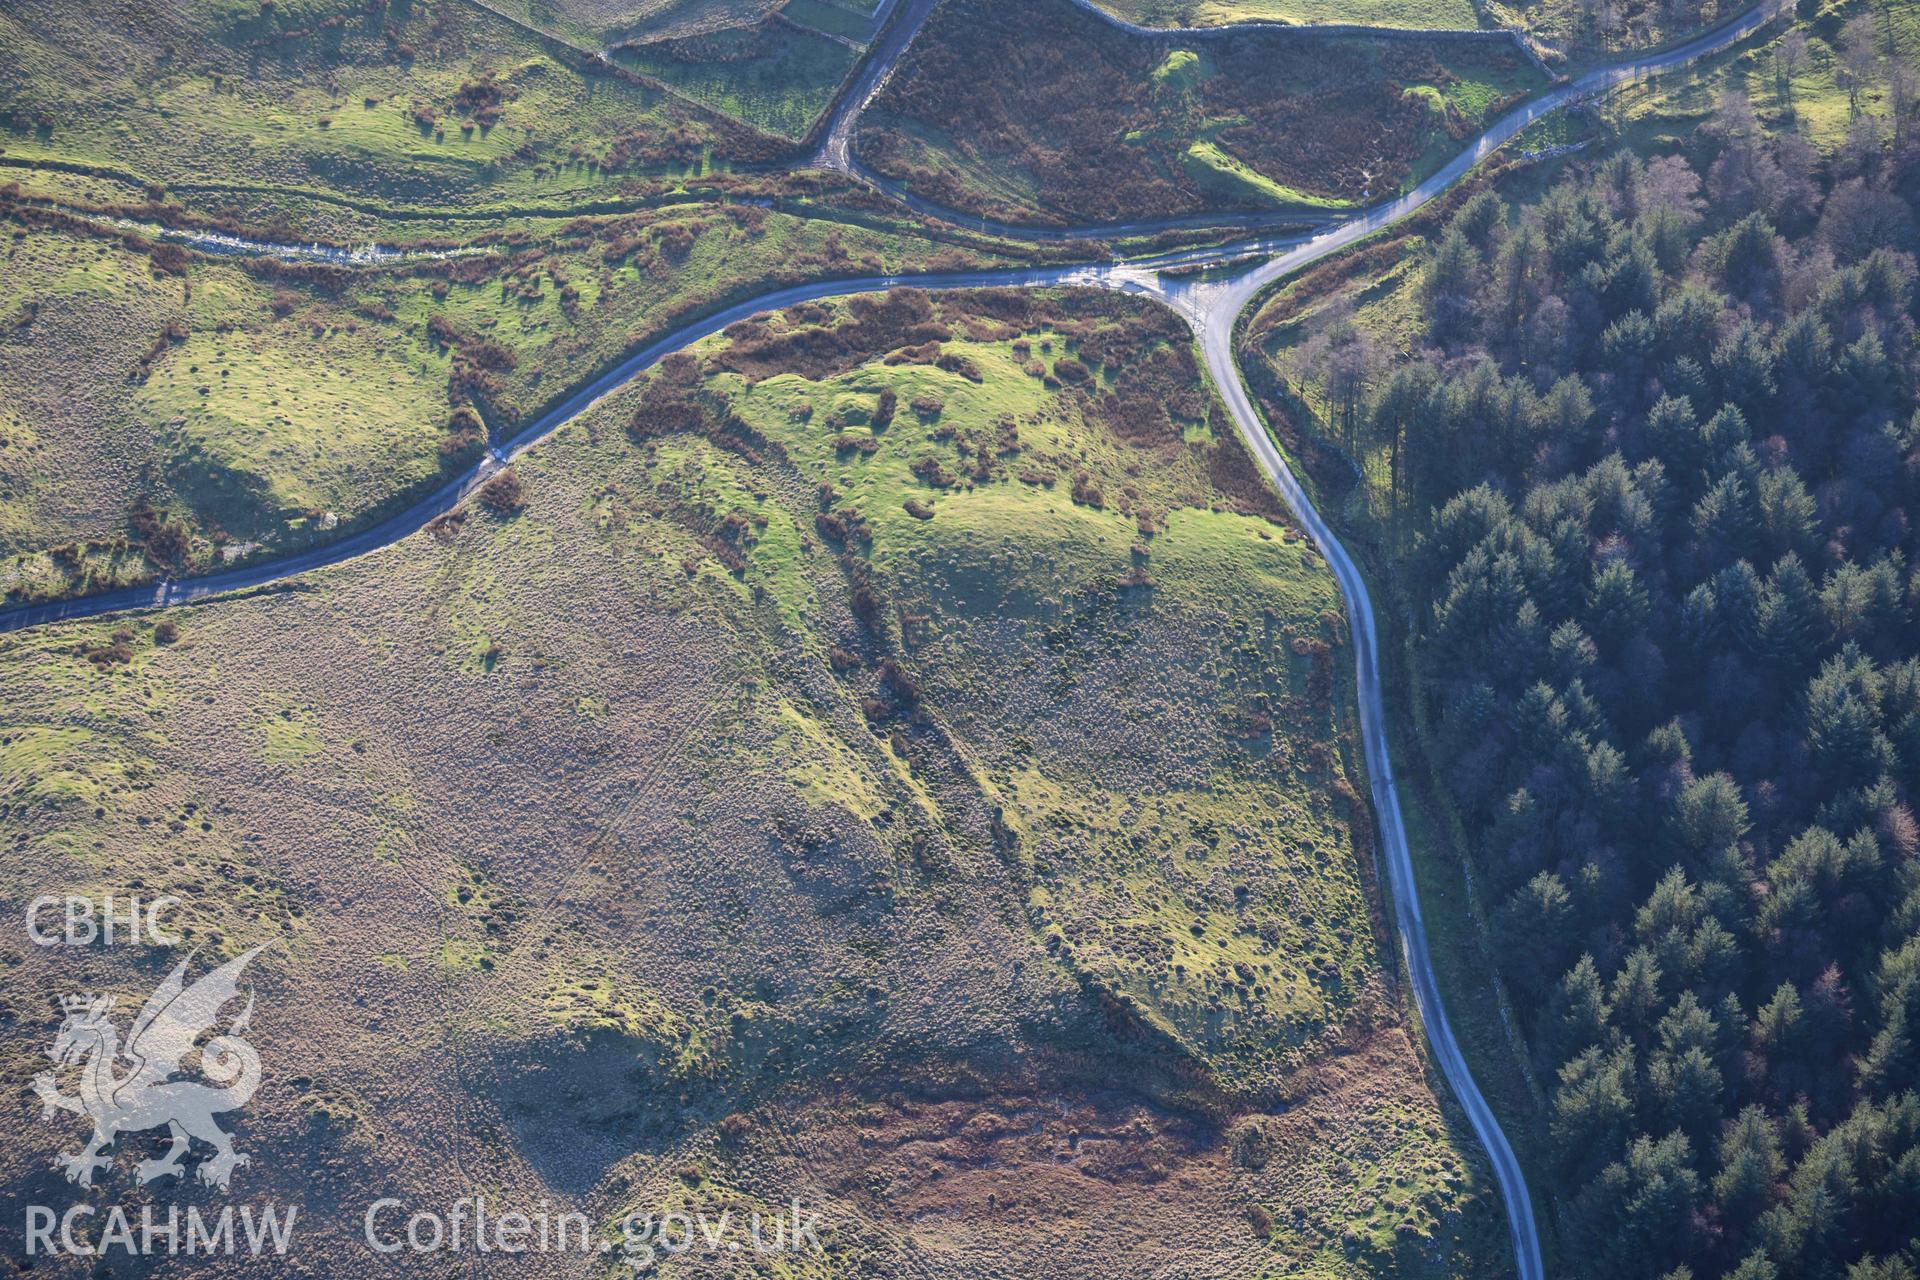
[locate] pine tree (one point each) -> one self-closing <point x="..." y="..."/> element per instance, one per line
<point x="1617" y="607"/>
<point x="1536" y="932"/>
<point x="1635" y="998"/>
<point x="1675" y="436"/>
<point x="1787" y="513"/>
<point x="1686" y="1088"/>
<point x="1726" y="521"/>
<point x="1593" y="1109"/>
<point x="1842" y="718"/>
<point x="1577" y="1013"/>
<point x="1792" y="623"/>
<point x="1750" y="1166"/>
<point x="1743" y="362"/>
<point x="1708" y="815"/>
<point x="1639" y="1213"/>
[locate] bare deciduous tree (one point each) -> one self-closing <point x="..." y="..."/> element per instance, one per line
<point x="1859" y="58"/>
<point x="1789" y="56"/>
<point x="1903" y="86"/>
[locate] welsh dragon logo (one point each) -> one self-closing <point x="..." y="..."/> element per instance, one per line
<point x="131" y="1087"/>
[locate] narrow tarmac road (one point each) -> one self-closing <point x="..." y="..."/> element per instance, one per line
<point x="1215" y="321"/>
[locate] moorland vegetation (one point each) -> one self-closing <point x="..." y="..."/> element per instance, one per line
<point x="1043" y="112"/>
<point x="895" y="753"/>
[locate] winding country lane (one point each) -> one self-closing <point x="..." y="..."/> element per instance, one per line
<point x="1215" y="320"/>
<point x="1213" y="308"/>
<point x="1217" y="343"/>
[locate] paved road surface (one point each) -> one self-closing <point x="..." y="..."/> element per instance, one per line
<point x="836" y="140"/>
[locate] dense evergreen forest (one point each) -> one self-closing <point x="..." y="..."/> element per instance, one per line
<point x="1659" y="471"/>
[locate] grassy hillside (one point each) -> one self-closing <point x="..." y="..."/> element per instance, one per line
<point x="598" y="22"/>
<point x="892" y="756"/>
<point x="1044" y="112"/>
<point x="1589" y="33"/>
<point x="409" y="104"/>
<point x="255" y="408"/>
<point x="1797" y="87"/>
<point x="775" y="76"/>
